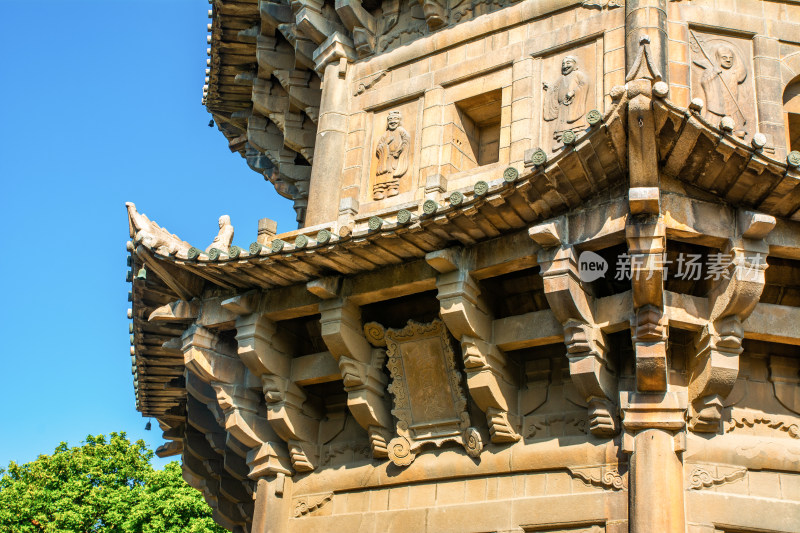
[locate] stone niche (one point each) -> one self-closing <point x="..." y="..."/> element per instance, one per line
<point x="565" y="99"/>
<point x="475" y="133"/>
<point x="722" y="76"/>
<point x="393" y="159"/>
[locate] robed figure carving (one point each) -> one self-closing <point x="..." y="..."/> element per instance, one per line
<point x="392" y="153"/>
<point x="724" y="73"/>
<point x="565" y="99"/>
<point x="222" y="241"/>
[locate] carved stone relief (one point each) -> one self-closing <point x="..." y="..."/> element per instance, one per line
<point x="390" y="156"/>
<point x="565" y="99"/>
<point x="721" y="78"/>
<point x="704" y="478"/>
<point x="569" y="92"/>
<point x="429" y="400"/>
<point x="392" y="153"/>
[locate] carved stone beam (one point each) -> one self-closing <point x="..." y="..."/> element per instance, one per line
<point x="271" y="100"/>
<point x="303" y="87"/>
<point x="243" y="414"/>
<point x="360" y="23"/>
<point x="360" y="364"/>
<point x="299" y="134"/>
<point x="267" y="354"/>
<point x="573" y="306"/>
<point x="337" y="48"/>
<point x="313" y="22"/>
<point x="467" y="316"/>
<point x="646" y="236"/>
<point x="435" y="13"/>
<point x="731" y="299"/>
<point x="303" y="46"/>
<point x="178" y="311"/>
<point x="273" y="14"/>
<point x="273" y="54"/>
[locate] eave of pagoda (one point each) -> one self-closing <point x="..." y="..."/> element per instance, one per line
<point x="585" y="182"/>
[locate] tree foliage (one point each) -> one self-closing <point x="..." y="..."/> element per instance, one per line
<point x="101" y="486"/>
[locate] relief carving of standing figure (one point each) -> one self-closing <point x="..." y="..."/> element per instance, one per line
<point x="723" y="75"/>
<point x="565" y="99"/>
<point x="392" y="153"/>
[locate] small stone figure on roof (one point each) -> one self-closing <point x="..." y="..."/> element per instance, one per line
<point x="565" y="99"/>
<point x="224" y="238"/>
<point x="392" y="153"/>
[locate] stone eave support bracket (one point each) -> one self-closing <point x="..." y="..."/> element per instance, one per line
<point x="732" y="298"/>
<point x="573" y="306"/>
<point x="467" y="317"/>
<point x="360" y="364"/>
<point x="266" y="353"/>
<point x="238" y="399"/>
<point x="647" y="239"/>
<point x="338" y="48"/>
<point x="435" y="13"/>
<point x="360" y="23"/>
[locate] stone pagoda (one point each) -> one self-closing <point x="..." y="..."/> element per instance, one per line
<point x="546" y="276"/>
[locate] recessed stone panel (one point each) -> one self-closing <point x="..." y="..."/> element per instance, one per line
<point x="722" y="76"/>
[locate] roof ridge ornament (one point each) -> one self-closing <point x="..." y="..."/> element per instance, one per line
<point x="148" y="233"/>
<point x="643" y="66"/>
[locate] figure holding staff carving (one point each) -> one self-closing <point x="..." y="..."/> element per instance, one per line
<point x="724" y="73"/>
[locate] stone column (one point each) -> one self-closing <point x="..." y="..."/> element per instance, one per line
<point x="273" y="503"/>
<point x="769" y="94"/>
<point x="521" y="111"/>
<point x="654" y="436"/>
<point x="329" y="149"/>
<point x="647" y="17"/>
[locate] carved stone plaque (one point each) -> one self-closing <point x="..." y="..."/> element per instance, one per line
<point x="429" y="400"/>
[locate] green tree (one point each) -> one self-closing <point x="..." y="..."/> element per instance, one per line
<point x="103" y="485"/>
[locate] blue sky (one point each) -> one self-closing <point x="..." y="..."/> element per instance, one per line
<point x="101" y="105"/>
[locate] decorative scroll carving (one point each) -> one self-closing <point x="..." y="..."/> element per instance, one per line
<point x="731" y="300"/>
<point x="744" y="418"/>
<point x="309" y="504"/>
<point x="599" y="476"/>
<point x="393" y="155"/>
<point x="365" y="86"/>
<point x="565" y="99"/>
<point x="429" y="401"/>
<point x="361" y="367"/>
<point x="701" y="478"/>
<point x="224" y="238"/>
<point x="573" y="306"/>
<point x="466" y="315"/>
<point x="725" y="69"/>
